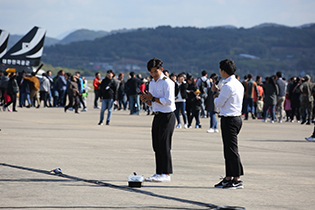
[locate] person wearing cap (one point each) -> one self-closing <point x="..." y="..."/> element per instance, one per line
<point x="108" y="94"/>
<point x="229" y="102"/>
<point x="161" y="97"/>
<point x="196" y="107"/>
<point x="306" y="100"/>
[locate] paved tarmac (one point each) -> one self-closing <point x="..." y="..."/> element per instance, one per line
<point x="97" y="160"/>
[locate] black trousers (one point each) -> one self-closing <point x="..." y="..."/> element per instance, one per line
<point x="230" y="127"/>
<point x="75" y="100"/>
<point x="162" y="131"/>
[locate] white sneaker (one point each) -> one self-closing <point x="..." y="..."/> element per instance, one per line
<point x="164" y="178"/>
<point x="84" y="110"/>
<point x="179" y="126"/>
<point x="216" y="130"/>
<point x="271" y="121"/>
<point x="97" y="107"/>
<point x="264" y="121"/>
<point x="189" y="126"/>
<point x="185" y="126"/>
<point x="280" y="121"/>
<point x="153" y="178"/>
<point x="211" y="130"/>
<point x="310" y="138"/>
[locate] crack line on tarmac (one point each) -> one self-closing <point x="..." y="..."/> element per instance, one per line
<point x="125" y="188"/>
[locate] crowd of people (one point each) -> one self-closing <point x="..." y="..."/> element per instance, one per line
<point x="32" y="89"/>
<point x="275" y="98"/>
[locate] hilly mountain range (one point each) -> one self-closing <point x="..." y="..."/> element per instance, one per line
<point x="261" y="50"/>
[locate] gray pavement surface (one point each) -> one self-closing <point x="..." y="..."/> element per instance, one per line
<point x="279" y="163"/>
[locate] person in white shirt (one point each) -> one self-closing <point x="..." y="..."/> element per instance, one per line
<point x="229" y="102"/>
<point x="161" y="97"/>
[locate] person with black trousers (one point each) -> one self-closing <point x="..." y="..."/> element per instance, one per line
<point x="12" y="90"/>
<point x="73" y="94"/>
<point x="161" y="96"/>
<point x="229" y="102"/>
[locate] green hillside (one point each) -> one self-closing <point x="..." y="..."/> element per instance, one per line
<point x="259" y="50"/>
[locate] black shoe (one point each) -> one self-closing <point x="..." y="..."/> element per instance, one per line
<point x="221" y="184"/>
<point x="253" y="117"/>
<point x="107" y="122"/>
<point x="100" y="123"/>
<point x="303" y="122"/>
<point x="234" y="184"/>
<point x="308" y="123"/>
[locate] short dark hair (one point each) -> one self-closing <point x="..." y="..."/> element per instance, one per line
<point x="154" y="62"/>
<point x="228" y="66"/>
<point x="250" y="76"/>
<point x="204" y="73"/>
<point x="96" y="74"/>
<point x="132" y="74"/>
<point x="279" y="74"/>
<point x="110" y="72"/>
<point x="165" y="70"/>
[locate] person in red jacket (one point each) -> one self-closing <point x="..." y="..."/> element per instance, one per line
<point x="96" y="84"/>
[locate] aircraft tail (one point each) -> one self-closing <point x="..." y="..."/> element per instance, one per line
<point x="4" y="37"/>
<point x="27" y="51"/>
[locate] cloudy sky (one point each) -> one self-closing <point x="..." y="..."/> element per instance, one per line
<point x="60" y="16"/>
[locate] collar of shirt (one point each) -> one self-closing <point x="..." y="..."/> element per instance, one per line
<point x="229" y="79"/>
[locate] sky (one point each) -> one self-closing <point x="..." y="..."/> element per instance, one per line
<point x="60" y="16"/>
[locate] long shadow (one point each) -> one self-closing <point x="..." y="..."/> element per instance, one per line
<point x="129" y="189"/>
<point x="270" y="140"/>
<point x="96" y="207"/>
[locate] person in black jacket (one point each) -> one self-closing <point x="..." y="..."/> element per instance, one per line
<point x="12" y="90"/>
<point x="180" y="99"/>
<point x="108" y="92"/>
<point x="132" y="89"/>
<point x="190" y="96"/>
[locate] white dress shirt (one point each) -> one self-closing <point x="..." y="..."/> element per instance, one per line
<point x="230" y="98"/>
<point x="163" y="89"/>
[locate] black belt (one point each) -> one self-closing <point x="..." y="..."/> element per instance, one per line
<point x="157" y="113"/>
<point x="228" y="116"/>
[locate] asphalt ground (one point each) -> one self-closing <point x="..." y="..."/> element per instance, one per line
<point x="96" y="161"/>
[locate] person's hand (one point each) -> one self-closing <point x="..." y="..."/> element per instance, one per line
<point x="214" y="87"/>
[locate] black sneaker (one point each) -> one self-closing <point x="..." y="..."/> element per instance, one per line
<point x="222" y="183"/>
<point x="234" y="184"/>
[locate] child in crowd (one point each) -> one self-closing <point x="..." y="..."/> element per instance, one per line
<point x="260" y="107"/>
<point x="287" y="107"/>
<point x="196" y="107"/>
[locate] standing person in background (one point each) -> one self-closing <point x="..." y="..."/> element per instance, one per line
<point x="48" y="73"/>
<point x="294" y="96"/>
<point x="85" y="92"/>
<point x="34" y="86"/>
<point x="180" y="100"/>
<point x="44" y="89"/>
<point x="203" y="84"/>
<point x="270" y="98"/>
<point x="306" y="100"/>
<point x="161" y="97"/>
<point x="25" y="92"/>
<point x="229" y="102"/>
<point x="282" y="87"/>
<point x="121" y="92"/>
<point x="210" y="107"/>
<point x="12" y="90"/>
<point x="250" y="91"/>
<point x="4" y="85"/>
<point x="73" y="93"/>
<point x="80" y="88"/>
<point x="96" y="85"/>
<point x="62" y="87"/>
<point x="108" y="94"/>
<point x="190" y="96"/>
<point x="132" y="89"/>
